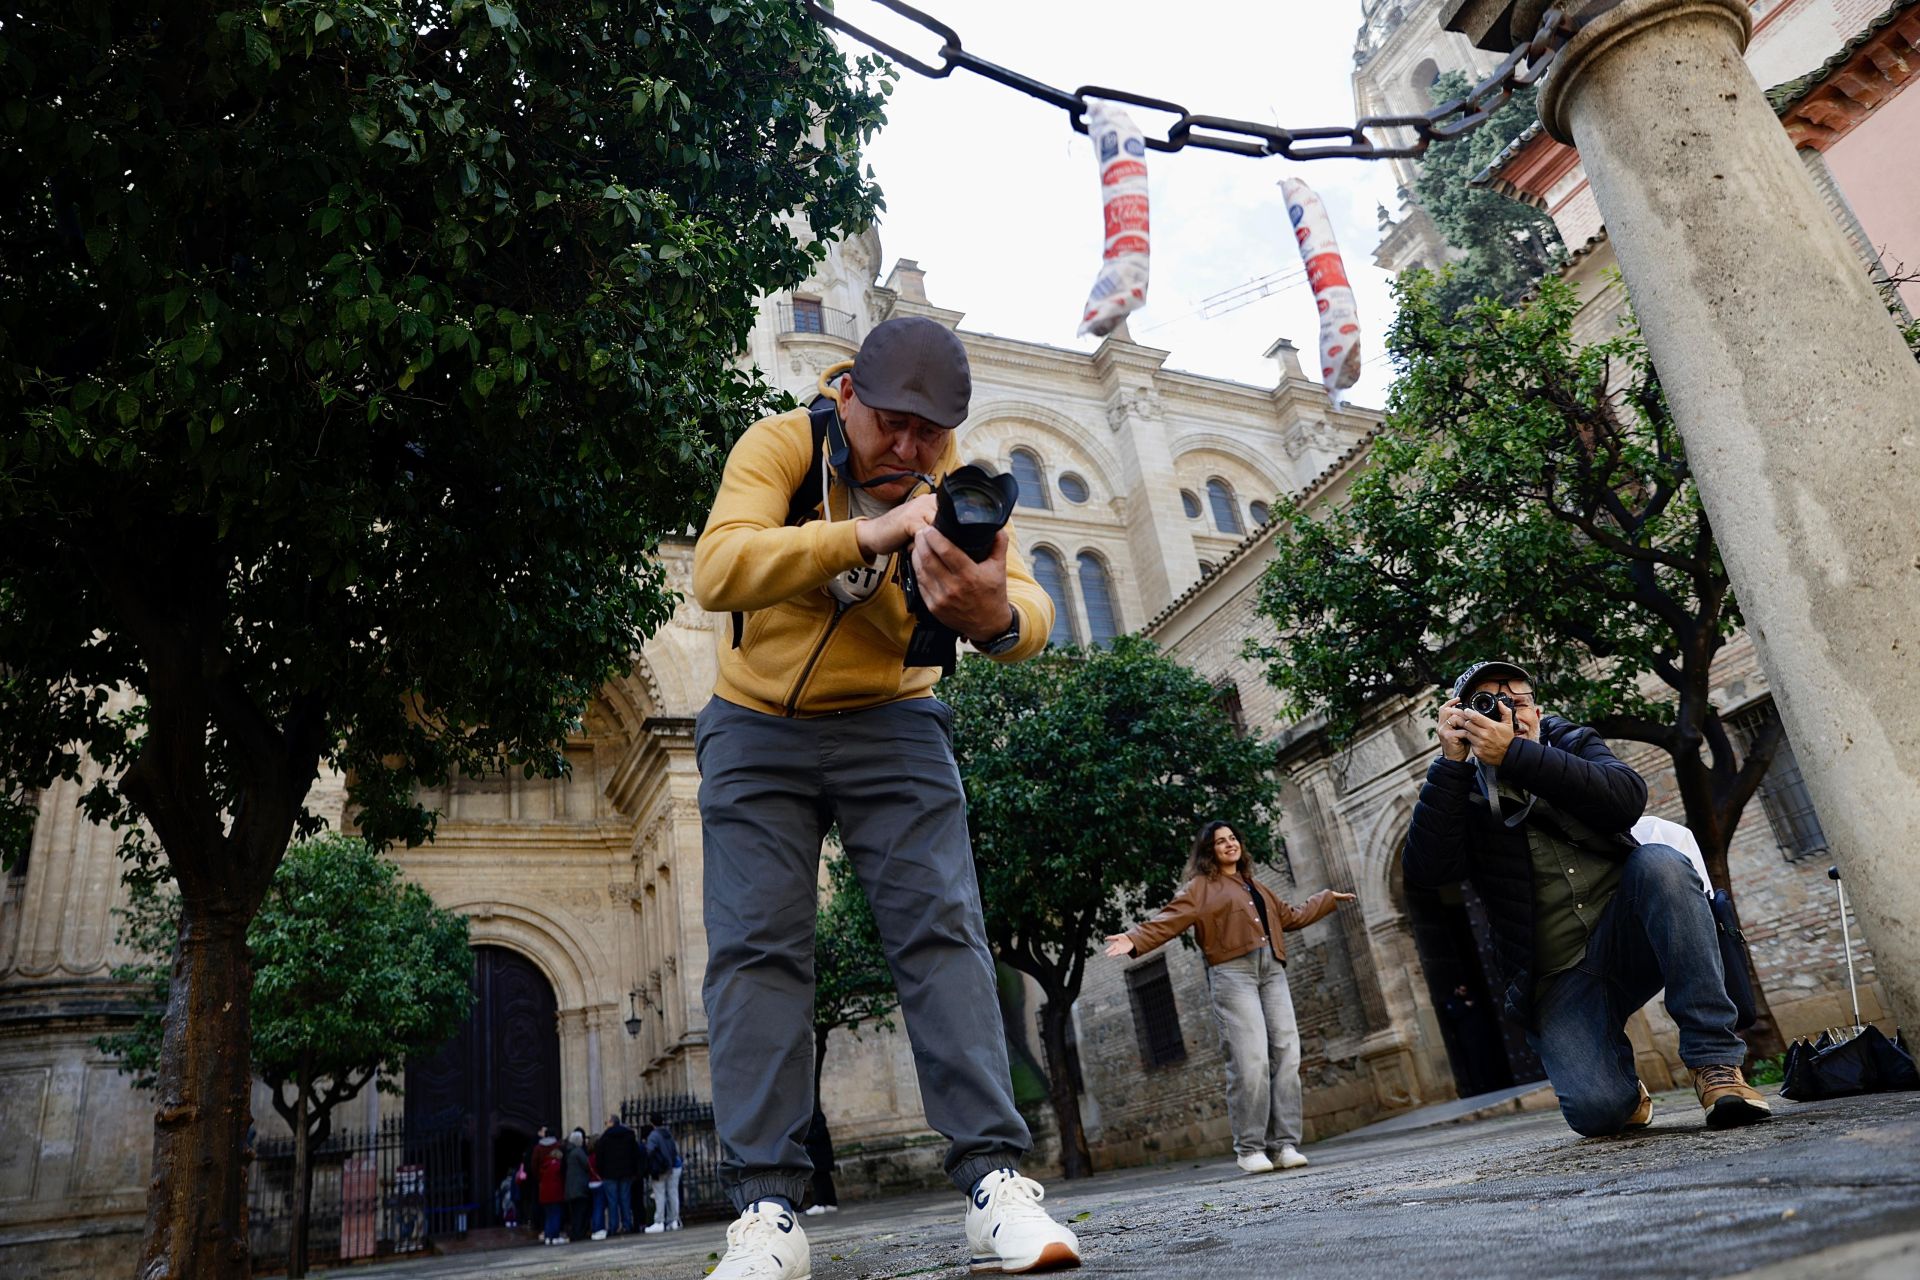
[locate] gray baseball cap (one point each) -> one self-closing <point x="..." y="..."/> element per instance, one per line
<point x="911" y="364"/>
<point x="1481" y="672"/>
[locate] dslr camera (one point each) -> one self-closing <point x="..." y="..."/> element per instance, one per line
<point x="973" y="505"/>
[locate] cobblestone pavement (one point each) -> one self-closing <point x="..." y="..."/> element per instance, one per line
<point x="1824" y="1189"/>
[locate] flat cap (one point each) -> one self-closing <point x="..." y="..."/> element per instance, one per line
<point x="1480" y="672"/>
<point x="911" y="364"/>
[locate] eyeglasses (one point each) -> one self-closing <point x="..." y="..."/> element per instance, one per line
<point x="925" y="434"/>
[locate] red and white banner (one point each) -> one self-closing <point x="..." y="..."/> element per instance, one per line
<point x="1121" y="287"/>
<point x="1327" y="276"/>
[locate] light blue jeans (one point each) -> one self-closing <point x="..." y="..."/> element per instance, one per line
<point x="1657" y="932"/>
<point x="1254" y="1011"/>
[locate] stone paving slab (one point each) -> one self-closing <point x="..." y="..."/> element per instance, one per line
<point x="1516" y="1196"/>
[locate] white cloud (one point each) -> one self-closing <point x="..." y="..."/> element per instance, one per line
<point x="998" y="199"/>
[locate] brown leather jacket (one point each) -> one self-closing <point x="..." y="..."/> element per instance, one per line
<point x="1219" y="908"/>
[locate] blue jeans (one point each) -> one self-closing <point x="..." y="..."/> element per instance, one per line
<point x="599" y="1194"/>
<point x="554" y="1212"/>
<point x="1656" y="932"/>
<point x="619" y="1194"/>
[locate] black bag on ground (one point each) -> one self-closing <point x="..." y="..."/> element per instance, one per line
<point x="1833" y="1068"/>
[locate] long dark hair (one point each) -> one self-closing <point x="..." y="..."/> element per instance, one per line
<point x="1200" y="858"/>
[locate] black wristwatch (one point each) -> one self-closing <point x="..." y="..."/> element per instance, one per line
<point x="1006" y="639"/>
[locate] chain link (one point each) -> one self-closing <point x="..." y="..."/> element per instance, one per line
<point x="1449" y="120"/>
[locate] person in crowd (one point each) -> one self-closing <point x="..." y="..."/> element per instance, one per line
<point x="618" y="1154"/>
<point x="663" y="1175"/>
<point x="1588" y="924"/>
<point x="816" y="719"/>
<point x="579" y="1176"/>
<point x="820" y="1152"/>
<point x="1240" y="924"/>
<point x="550" y="1177"/>
<point x="596" y="1192"/>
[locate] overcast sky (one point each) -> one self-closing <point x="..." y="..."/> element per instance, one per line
<point x="998" y="198"/>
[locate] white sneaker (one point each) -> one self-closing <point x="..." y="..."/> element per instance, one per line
<point x="656" y="1229"/>
<point x="599" y="1235"/>
<point x="1254" y="1163"/>
<point x="674" y="1225"/>
<point x="1290" y="1158"/>
<point x="1007" y="1230"/>
<point x="765" y="1243"/>
<point x="815" y="1210"/>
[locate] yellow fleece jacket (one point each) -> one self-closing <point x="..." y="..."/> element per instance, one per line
<point x="801" y="653"/>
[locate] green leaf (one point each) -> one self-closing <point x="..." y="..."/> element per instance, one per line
<point x="395" y="138"/>
<point x="322" y="22"/>
<point x="483" y="382"/>
<point x="719" y="13"/>
<point x="500" y="15"/>
<point x="126" y="407"/>
<point x="99" y="241"/>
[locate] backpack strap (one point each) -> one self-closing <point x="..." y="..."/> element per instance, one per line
<point x="828" y="437"/>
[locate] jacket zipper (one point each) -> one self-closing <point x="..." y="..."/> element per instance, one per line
<point x="806" y="673"/>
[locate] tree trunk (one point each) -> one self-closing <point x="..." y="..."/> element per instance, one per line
<point x="820" y="1035"/>
<point x="302" y="1184"/>
<point x="197" y="1201"/>
<point x="1075" y="1160"/>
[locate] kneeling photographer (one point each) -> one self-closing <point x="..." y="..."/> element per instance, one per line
<point x="823" y="713"/>
<point x="1588" y="924"/>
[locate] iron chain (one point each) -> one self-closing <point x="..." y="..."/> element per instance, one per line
<point x="1522" y="67"/>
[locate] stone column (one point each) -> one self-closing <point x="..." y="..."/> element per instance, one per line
<point x="1799" y="404"/>
<point x="1158" y="532"/>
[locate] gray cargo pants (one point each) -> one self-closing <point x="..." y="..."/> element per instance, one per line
<point x="769" y="789"/>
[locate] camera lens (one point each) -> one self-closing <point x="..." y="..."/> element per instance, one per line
<point x="1485" y="703"/>
<point x="976" y="505"/>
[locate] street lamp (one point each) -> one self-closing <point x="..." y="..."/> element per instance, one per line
<point x="633" y="1014"/>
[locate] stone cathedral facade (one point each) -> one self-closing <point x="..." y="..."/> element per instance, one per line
<point x="1146" y="491"/>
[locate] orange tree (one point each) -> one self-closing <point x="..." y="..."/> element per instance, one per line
<point x="1087" y="773"/>
<point x="354" y="357"/>
<point x="1528" y="495"/>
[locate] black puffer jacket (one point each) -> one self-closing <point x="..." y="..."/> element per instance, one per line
<point x="1455" y="837"/>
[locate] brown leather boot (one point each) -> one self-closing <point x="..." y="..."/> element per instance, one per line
<point x="1729" y="1100"/>
<point x="1642" y="1114"/>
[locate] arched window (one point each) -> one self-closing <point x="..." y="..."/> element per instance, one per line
<point x="1097" y="594"/>
<point x="1422" y="79"/>
<point x="1051" y="574"/>
<point x="1191" y="501"/>
<point x="1226" y="515"/>
<point x="1259" y="511"/>
<point x="1033" y="487"/>
<point x="1072" y="487"/>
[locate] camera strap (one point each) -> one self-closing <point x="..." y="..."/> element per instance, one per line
<point x="1490" y="780"/>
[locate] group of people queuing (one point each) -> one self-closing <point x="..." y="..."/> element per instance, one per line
<point x="823" y="714"/>
<point x="584" y="1187"/>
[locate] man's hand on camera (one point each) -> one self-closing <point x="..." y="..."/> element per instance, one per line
<point x="880" y="535"/>
<point x="1453" y="738"/>
<point x="1488" y="737"/>
<point x="971" y="598"/>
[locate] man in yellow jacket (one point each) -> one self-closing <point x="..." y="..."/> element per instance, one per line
<point x="817" y="720"/>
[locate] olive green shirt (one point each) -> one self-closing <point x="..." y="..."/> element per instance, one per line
<point x="1575" y="873"/>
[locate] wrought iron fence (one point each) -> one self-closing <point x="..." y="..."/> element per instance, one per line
<point x="691" y="1120"/>
<point x="376" y="1191"/>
